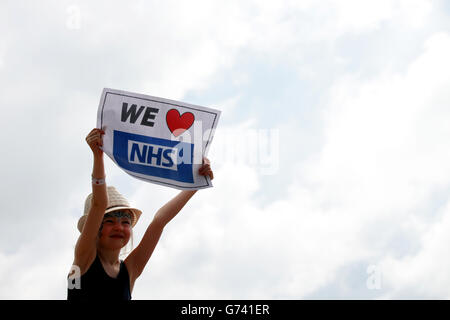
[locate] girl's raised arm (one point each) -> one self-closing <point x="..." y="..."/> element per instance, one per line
<point x="86" y="242"/>
<point x="139" y="257"/>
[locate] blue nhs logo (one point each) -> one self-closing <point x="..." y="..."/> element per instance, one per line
<point x="154" y="157"/>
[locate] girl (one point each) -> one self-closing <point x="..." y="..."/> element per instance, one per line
<point x="106" y="228"/>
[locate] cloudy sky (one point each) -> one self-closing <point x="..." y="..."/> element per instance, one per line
<point x="331" y="158"/>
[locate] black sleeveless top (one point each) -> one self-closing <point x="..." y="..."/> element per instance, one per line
<point x="96" y="284"/>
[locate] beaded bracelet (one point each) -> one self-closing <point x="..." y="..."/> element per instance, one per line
<point x="98" y="181"/>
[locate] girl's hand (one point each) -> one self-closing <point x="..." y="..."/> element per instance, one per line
<point x="95" y="140"/>
<point x="205" y="169"/>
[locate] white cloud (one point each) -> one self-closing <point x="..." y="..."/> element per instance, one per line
<point x="385" y="157"/>
<point x="425" y="274"/>
<point x="417" y="12"/>
<point x="381" y="132"/>
<point x="366" y="196"/>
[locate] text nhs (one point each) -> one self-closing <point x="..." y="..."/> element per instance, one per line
<point x="152" y="155"/>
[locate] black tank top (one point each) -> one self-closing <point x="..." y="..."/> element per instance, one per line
<point x="96" y="284"/>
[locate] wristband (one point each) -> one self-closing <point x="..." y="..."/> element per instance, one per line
<point x="98" y="181"/>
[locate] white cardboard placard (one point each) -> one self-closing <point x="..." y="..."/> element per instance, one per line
<point x="157" y="140"/>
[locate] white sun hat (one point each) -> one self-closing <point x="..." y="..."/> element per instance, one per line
<point x="116" y="201"/>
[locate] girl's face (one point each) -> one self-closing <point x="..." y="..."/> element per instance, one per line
<point x="115" y="230"/>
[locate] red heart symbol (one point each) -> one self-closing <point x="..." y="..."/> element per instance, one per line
<point x="179" y="123"/>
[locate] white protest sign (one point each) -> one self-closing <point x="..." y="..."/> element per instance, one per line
<point x="157" y="140"/>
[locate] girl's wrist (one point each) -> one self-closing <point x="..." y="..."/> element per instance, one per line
<point x="98" y="156"/>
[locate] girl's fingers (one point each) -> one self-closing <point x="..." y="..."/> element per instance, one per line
<point x="95" y="135"/>
<point x="91" y="139"/>
<point x="204" y="168"/>
<point x="96" y="132"/>
<point x="94" y="139"/>
<point x="210" y="174"/>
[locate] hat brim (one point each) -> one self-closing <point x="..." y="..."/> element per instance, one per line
<point x="136" y="213"/>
